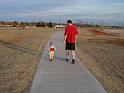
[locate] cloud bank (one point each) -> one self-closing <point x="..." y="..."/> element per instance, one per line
<point x="52" y="10"/>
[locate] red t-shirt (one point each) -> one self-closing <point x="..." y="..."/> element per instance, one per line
<point x="52" y="49"/>
<point x="71" y="32"/>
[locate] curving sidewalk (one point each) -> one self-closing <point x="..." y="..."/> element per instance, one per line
<point x="60" y="76"/>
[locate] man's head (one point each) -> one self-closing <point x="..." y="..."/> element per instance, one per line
<point x="69" y="22"/>
<point x="51" y="43"/>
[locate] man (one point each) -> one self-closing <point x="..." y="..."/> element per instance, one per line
<point x="70" y="37"/>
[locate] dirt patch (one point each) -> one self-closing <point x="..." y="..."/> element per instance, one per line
<point x="20" y="52"/>
<point x="97" y="31"/>
<point x="104" y="57"/>
<point x="117" y="42"/>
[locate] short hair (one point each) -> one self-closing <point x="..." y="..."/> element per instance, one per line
<point x="69" y="21"/>
<point x="51" y="43"/>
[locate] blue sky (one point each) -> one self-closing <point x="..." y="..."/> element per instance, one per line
<point x="94" y="11"/>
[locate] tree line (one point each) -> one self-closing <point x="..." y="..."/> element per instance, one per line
<point x="23" y="24"/>
<point x="50" y="24"/>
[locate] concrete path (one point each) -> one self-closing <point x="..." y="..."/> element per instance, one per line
<point x="60" y="76"/>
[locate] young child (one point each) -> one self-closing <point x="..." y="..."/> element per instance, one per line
<point x="52" y="51"/>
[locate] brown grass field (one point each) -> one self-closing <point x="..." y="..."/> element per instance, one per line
<point x="103" y="54"/>
<point x="20" y="52"/>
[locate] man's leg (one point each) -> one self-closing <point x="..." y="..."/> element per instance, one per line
<point x="73" y="56"/>
<point x="67" y="55"/>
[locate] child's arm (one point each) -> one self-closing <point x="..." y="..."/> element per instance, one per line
<point x="48" y="49"/>
<point x="54" y="47"/>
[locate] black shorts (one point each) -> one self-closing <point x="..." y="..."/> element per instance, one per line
<point x="70" y="46"/>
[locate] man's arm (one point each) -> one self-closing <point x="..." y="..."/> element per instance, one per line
<point x="65" y="34"/>
<point x="75" y="38"/>
<point x="65" y="37"/>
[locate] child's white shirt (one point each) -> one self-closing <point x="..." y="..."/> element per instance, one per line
<point x="52" y="46"/>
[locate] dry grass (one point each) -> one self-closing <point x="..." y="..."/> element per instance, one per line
<point x="103" y="55"/>
<point x="20" y="51"/>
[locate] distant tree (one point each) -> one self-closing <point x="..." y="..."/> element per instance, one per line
<point x="38" y="24"/>
<point x="15" y="23"/>
<point x="27" y="23"/>
<point x="33" y="24"/>
<point x="96" y="25"/>
<point x="50" y="24"/>
<point x="2" y="23"/>
<point x="22" y="25"/>
<point x="42" y="24"/>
